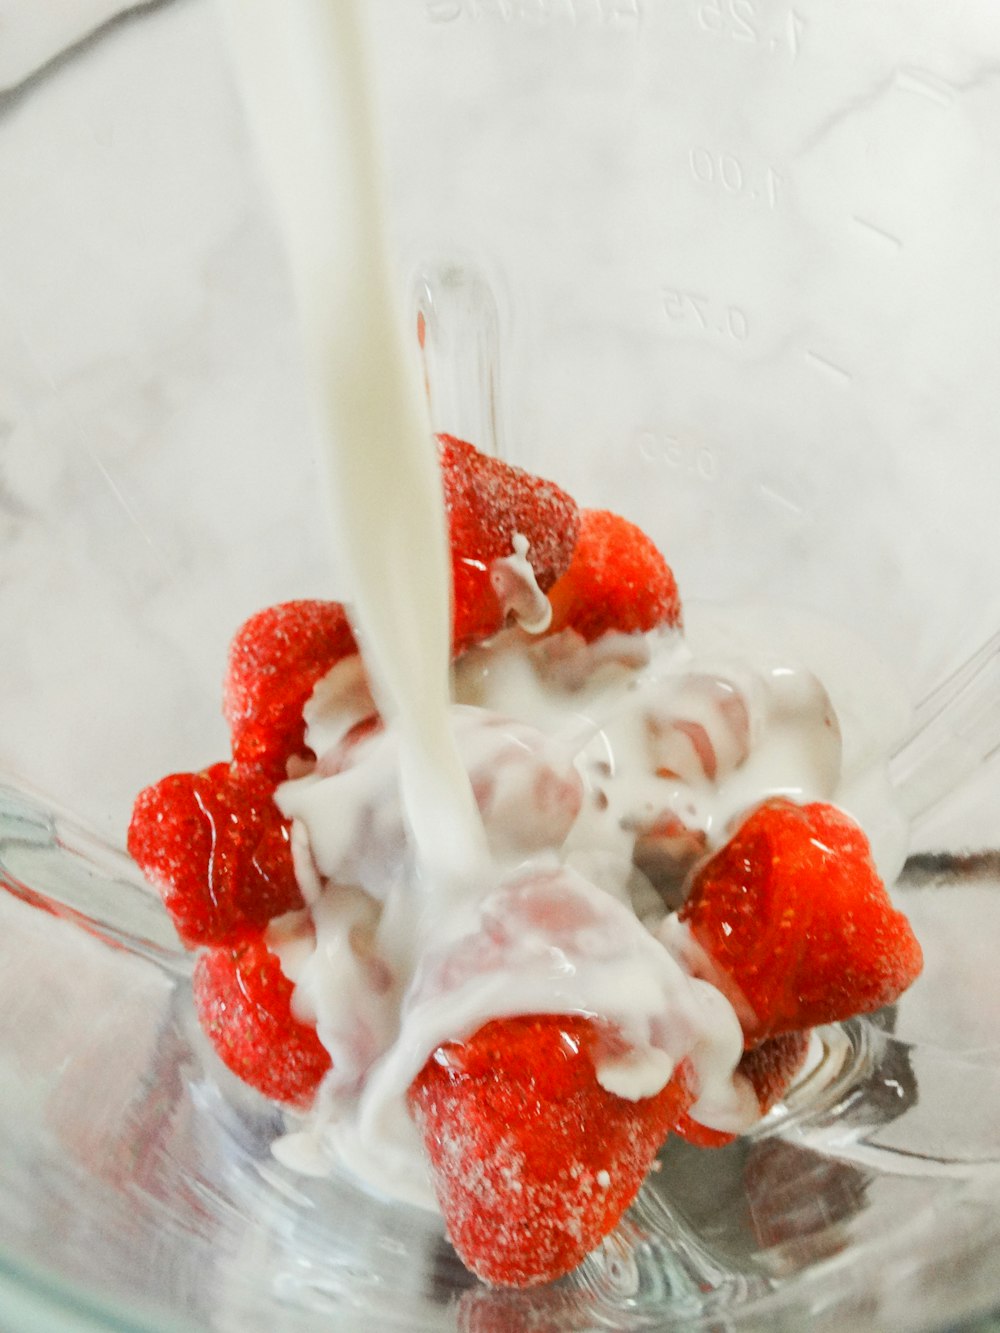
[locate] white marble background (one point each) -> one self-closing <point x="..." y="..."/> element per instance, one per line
<point x="745" y="262"/>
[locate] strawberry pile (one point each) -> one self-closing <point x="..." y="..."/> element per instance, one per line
<point x="533" y="1160"/>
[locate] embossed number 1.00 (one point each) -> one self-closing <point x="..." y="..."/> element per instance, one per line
<point x="725" y="171"/>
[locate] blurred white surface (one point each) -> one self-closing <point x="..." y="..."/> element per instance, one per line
<point x="33" y="32"/>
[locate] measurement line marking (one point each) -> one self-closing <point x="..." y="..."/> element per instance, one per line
<point x="782" y="500"/>
<point x="830" y="367"/>
<point x="883" y="235"/>
<point x="923" y="83"/>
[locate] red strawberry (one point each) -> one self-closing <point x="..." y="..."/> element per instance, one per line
<point x="533" y="1161"/>
<point x="618" y="580"/>
<point x="275" y="659"/>
<point x="488" y="502"/>
<point x="793" y="913"/>
<point x="217" y="848"/>
<point x="771" y="1067"/>
<point x="243" y="1000"/>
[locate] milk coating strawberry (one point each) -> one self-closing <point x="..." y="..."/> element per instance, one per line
<point x="533" y="1161"/>
<point x="488" y="502"/>
<point x="665" y="851"/>
<point x="771" y="1068"/>
<point x="243" y="1001"/>
<point x="275" y="660"/>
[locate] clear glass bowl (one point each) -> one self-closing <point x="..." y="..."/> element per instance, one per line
<point x="724" y="265"/>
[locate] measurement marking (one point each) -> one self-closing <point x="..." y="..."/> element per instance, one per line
<point x="829" y="366"/>
<point x="878" y="231"/>
<point x="782" y="500"/>
<point x="925" y="84"/>
<point x="121" y="498"/>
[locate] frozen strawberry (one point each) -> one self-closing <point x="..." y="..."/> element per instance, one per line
<point x="489" y="502"/>
<point x="243" y="1001"/>
<point x="802" y="1199"/>
<point x="533" y="1161"/>
<point x="793" y="914"/>
<point x="217" y="848"/>
<point x="345" y="753"/>
<point x="275" y="660"/>
<point x="699" y="730"/>
<point x="771" y="1068"/>
<point x="617" y="580"/>
<point x="665" y="850"/>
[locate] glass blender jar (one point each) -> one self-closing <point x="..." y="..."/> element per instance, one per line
<point x="725" y="266"/>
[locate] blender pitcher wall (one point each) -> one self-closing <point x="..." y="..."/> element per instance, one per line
<point x="745" y="264"/>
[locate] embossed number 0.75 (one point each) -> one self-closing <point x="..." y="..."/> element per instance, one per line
<point x="688" y="306"/>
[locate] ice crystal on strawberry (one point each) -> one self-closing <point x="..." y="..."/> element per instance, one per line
<point x="534" y="1161"/>
<point x="244" y="1003"/>
<point x="488" y="503"/>
<point x="275" y="661"/>
<point x="616" y="580"/>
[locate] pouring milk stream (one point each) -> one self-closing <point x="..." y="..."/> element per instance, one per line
<point x="303" y="66"/>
